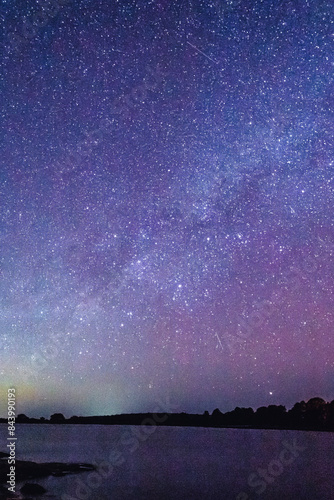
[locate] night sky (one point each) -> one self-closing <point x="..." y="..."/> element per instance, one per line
<point x="167" y="196"/>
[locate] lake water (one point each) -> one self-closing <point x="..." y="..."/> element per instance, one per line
<point x="181" y="463"/>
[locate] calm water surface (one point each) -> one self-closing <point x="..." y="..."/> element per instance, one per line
<point x="181" y="463"/>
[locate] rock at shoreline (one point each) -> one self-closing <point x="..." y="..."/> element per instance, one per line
<point x="31" y="470"/>
<point x="32" y="489"/>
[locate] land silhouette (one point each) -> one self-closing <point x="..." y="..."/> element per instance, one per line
<point x="315" y="414"/>
<point x="28" y="471"/>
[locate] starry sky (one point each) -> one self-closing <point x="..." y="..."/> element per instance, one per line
<point x="167" y="195"/>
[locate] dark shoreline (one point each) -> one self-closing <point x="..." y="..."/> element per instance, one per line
<point x="314" y="415"/>
<point x="26" y="471"/>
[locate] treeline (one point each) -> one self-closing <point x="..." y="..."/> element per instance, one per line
<point x="316" y="414"/>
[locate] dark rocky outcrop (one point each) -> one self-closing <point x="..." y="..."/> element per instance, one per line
<point x="26" y="471"/>
<point x="32" y="489"/>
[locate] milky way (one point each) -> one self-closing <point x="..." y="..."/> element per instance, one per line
<point x="167" y="194"/>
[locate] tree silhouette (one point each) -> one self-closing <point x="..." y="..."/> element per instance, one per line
<point x="216" y="417"/>
<point x="316" y="412"/>
<point x="57" y="418"/>
<point x="271" y="415"/>
<point x="22" y="418"/>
